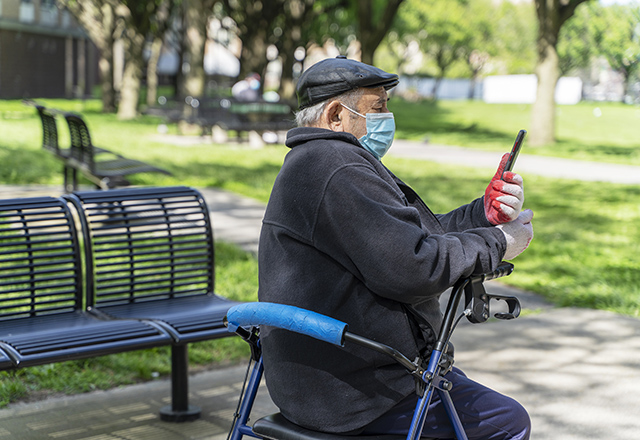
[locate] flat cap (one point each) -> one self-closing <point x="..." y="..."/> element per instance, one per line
<point x="335" y="76"/>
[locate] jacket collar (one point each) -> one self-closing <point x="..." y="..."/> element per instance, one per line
<point x="300" y="135"/>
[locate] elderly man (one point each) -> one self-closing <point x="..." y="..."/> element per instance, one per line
<point x="343" y="236"/>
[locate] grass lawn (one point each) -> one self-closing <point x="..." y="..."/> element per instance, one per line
<point x="586" y="246"/>
<point x="606" y="132"/>
<point x="23" y="161"/>
<point x="586" y="250"/>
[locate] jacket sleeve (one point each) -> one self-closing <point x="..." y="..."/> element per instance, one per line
<point x="366" y="225"/>
<point x="465" y="217"/>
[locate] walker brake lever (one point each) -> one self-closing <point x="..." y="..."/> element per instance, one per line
<point x="477" y="303"/>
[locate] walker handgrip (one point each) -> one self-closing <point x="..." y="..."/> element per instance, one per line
<point x="287" y="317"/>
<point x="502" y="270"/>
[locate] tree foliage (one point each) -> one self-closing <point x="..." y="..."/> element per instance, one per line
<point x="514" y="39"/>
<point x="575" y="43"/>
<point x="453" y="38"/>
<point x="290" y="25"/>
<point x="616" y="32"/>
<point x="459" y="33"/>
<point x="374" y="19"/>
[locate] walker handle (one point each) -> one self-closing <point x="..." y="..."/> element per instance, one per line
<point x="286" y="317"/>
<point x="503" y="269"/>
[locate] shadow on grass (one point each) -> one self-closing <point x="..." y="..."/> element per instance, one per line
<point x="417" y="120"/>
<point x="614" y="153"/>
<point x="252" y="181"/>
<point x="23" y="166"/>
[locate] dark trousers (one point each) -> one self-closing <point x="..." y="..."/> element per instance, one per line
<point x="484" y="413"/>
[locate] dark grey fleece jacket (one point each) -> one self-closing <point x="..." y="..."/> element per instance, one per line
<point x="344" y="237"/>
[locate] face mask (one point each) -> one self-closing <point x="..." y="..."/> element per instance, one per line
<point x="381" y="127"/>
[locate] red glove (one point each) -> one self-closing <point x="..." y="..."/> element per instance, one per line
<point x="503" y="199"/>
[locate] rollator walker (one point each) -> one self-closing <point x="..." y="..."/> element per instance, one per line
<point x="246" y="319"/>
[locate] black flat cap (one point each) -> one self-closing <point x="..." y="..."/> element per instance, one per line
<point x="335" y="76"/>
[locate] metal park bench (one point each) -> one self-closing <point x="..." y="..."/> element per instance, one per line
<point x="50" y="143"/>
<point x="105" y="174"/>
<point x="148" y="279"/>
<point x="235" y="115"/>
<point x="228" y="114"/>
<point x="108" y="172"/>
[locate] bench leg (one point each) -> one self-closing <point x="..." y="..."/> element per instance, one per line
<point x="179" y="410"/>
<point x="70" y="179"/>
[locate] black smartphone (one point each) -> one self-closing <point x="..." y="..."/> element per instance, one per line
<point x="517" y="145"/>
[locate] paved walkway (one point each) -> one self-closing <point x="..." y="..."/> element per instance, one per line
<point x="577" y="371"/>
<point x="526" y="164"/>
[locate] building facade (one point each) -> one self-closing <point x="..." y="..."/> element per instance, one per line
<point x="44" y="53"/>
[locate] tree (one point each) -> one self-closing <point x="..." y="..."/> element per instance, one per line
<point x="576" y="45"/>
<point x="552" y="15"/>
<point x="98" y="19"/>
<point x="196" y="15"/>
<point x="480" y="46"/>
<point x="294" y="25"/>
<point x="617" y="37"/>
<point x="444" y="30"/>
<point x="136" y="21"/>
<point x="374" y="20"/>
<point x="514" y="41"/>
<point x="307" y="22"/>
<point x="159" y="29"/>
<point x="132" y="22"/>
<point x="254" y="21"/>
<point x="287" y="25"/>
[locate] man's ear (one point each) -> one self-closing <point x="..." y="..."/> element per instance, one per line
<point x="333" y="116"/>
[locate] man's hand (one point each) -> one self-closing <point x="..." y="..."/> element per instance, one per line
<point x="518" y="234"/>
<point x="503" y="199"/>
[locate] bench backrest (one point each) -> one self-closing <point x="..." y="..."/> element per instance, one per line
<point x="146" y="244"/>
<point x="40" y="268"/>
<point x="81" y="145"/>
<point x="49" y="130"/>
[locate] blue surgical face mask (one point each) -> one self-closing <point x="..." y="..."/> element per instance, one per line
<point x="381" y="127"/>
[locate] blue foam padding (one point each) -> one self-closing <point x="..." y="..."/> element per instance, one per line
<point x="287" y="317"/>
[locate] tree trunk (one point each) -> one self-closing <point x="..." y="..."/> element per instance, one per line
<point x="105" y="64"/>
<point x="472" y="87"/>
<point x="551" y="14"/>
<point x="371" y="31"/>
<point x="98" y="19"/>
<point x="625" y="84"/>
<point x="543" y="112"/>
<point x="287" y="88"/>
<point x="152" y="71"/>
<point x="297" y="16"/>
<point x="254" y="55"/>
<point x="132" y="77"/>
<point x="106" y="59"/>
<point x="436" y="87"/>
<point x="195" y="37"/>
<point x="287" y="49"/>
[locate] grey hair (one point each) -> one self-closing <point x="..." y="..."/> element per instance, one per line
<point x="310" y="116"/>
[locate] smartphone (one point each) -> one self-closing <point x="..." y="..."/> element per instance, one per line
<point x="517" y="145"/>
